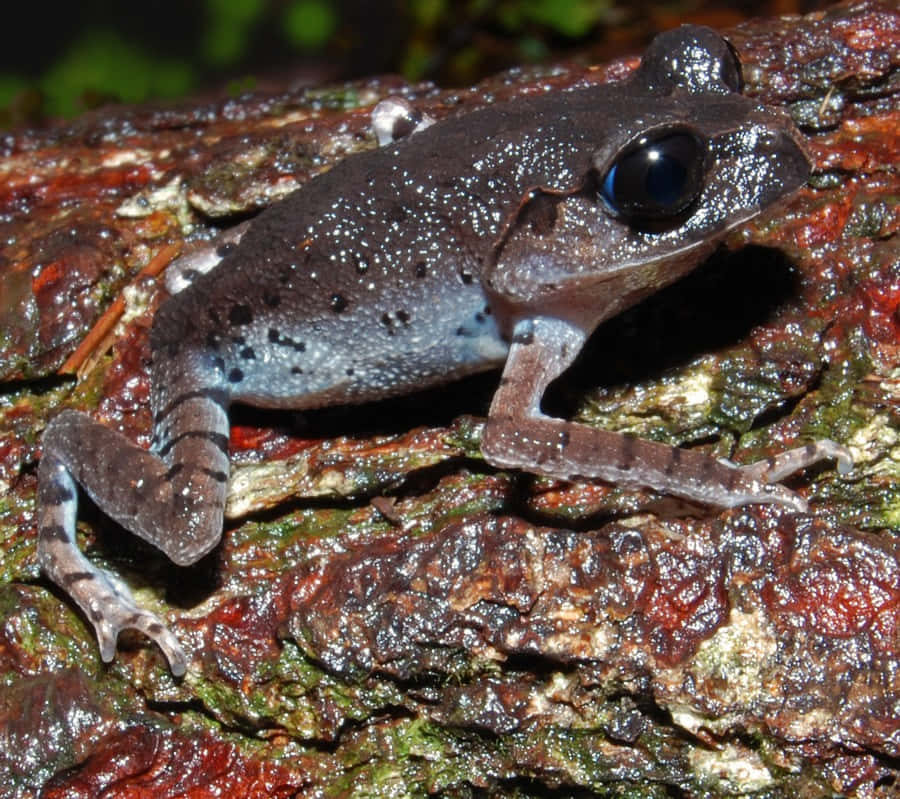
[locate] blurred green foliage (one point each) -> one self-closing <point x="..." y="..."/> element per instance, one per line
<point x="573" y="18"/>
<point x="107" y="66"/>
<point x="309" y="24"/>
<point x="227" y="33"/>
<point x="116" y="52"/>
<point x="74" y="57"/>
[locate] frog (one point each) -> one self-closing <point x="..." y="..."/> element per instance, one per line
<point x="498" y="239"/>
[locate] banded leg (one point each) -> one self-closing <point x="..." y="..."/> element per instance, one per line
<point x="519" y="435"/>
<point x="174" y="500"/>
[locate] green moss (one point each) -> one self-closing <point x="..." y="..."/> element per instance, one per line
<point x="295" y="695"/>
<point x="47" y="629"/>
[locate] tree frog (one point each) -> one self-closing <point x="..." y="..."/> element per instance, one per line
<point x="499" y="238"/>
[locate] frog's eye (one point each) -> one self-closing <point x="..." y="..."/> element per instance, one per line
<point x="656" y="178"/>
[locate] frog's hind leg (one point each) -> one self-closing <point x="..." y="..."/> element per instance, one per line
<point x="173" y="497"/>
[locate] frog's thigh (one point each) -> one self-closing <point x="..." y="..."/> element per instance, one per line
<point x="173" y="500"/>
<point x="519" y="435"/>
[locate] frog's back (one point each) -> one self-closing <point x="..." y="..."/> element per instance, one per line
<point x="366" y="281"/>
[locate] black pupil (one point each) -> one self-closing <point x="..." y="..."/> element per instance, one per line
<point x="665" y="178"/>
<point x="657" y="179"/>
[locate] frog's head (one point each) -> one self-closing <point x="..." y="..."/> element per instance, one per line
<point x="681" y="158"/>
<point x="694" y="146"/>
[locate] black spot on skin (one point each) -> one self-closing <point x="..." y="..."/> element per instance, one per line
<point x="466" y="277"/>
<point x="54" y="532"/>
<point x="461" y="331"/>
<point x="235" y="376"/>
<point x="224" y="248"/>
<point x="479" y="317"/>
<point x="421" y="269"/>
<point x="732" y="481"/>
<point x="248" y="353"/>
<point x="214" y="395"/>
<point x="403" y="316"/>
<point x="286" y="341"/>
<point x="56" y="494"/>
<point x="219" y="363"/>
<point x="219" y="477"/>
<point x="240" y="315"/>
<point x="296" y="370"/>
<point x="189" y="275"/>
<point x="674" y="461"/>
<point x="271" y="299"/>
<point x="526" y="338"/>
<point x="337" y="303"/>
<point x="386" y="320"/>
<point x="173" y="470"/>
<point x="238" y="340"/>
<point x="76" y="577"/>
<point x="487" y="310"/>
<point x="629" y="453"/>
<point x="349" y="371"/>
<point x="218" y="440"/>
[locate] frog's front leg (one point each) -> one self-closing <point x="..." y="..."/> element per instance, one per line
<point x="173" y="497"/>
<point x="518" y="435"/>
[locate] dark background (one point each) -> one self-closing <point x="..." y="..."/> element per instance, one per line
<point x="59" y="60"/>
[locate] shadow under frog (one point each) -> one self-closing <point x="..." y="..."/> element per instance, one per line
<point x="499" y="238"/>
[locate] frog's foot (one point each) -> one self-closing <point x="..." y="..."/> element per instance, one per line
<point x="777" y="467"/>
<point x="756" y="491"/>
<point x="765" y="475"/>
<point x="111" y="608"/>
<point x="106" y="601"/>
<point x="395" y="118"/>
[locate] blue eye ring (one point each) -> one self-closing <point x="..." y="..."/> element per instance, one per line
<point x="658" y="177"/>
